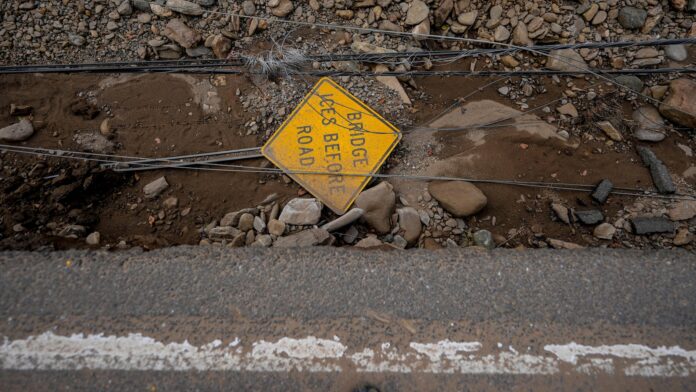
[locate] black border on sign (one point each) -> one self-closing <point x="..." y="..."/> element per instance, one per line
<point x="269" y="154"/>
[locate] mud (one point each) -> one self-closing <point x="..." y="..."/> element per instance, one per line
<point x="166" y="115"/>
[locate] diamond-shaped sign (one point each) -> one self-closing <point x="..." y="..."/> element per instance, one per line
<point x="331" y="143"/>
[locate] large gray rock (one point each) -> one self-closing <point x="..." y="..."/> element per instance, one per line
<point x="378" y="203"/>
<point x="301" y="211"/>
<point x="566" y="60"/>
<point x="17" y="132"/>
<point x="312" y="237"/>
<point x="632" y="17"/>
<point x="459" y="198"/>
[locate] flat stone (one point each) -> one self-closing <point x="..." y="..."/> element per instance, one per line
<point x="410" y="224"/>
<point x="417" y="12"/>
<point x="366" y="47"/>
<point x="650" y="225"/>
<point x="378" y="203"/>
<point x="568" y="109"/>
<point x="160" y="10"/>
<point x="559" y="244"/>
<point x="566" y="60"/>
<point x="610" y="130"/>
<point x="17" y="132"/>
<point x="177" y="31"/>
<point x="344" y="220"/>
<point x="154" y="188"/>
<point x="184" y="7"/>
<point x="658" y="171"/>
<point x="371" y="241"/>
<point x="630" y="81"/>
<point x="520" y="35"/>
<point x="223" y="232"/>
<point x="662" y="179"/>
<point x="682" y="210"/>
<point x="602" y="191"/>
<point x="311" y="237"/>
<point x="604" y="231"/>
<point x="680" y="105"/>
<point x="562" y="212"/>
<point x="648" y="124"/>
<point x="301" y="211"/>
<point x="467" y="18"/>
<point x="94" y="142"/>
<point x="649" y="136"/>
<point x="646" y="53"/>
<point x="459" y="198"/>
<point x="646" y="62"/>
<point x="263" y="240"/>
<point x="589" y="217"/>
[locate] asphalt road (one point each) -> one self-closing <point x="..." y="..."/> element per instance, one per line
<point x="331" y="319"/>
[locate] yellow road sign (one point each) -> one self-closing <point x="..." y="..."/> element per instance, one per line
<point x="332" y="132"/>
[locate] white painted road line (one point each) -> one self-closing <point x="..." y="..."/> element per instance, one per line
<point x="49" y="351"/>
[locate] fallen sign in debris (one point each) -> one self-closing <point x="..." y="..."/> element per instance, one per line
<point x="333" y="132"/>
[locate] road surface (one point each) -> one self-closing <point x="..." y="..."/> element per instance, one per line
<point x="333" y="319"/>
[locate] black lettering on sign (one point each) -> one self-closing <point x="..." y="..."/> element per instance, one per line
<point x="304" y="137"/>
<point x="332" y="156"/>
<point x="332" y="150"/>
<point x="326" y="100"/>
<point x="357" y="141"/>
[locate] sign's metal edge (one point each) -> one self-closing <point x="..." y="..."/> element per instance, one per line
<point x="368" y="176"/>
